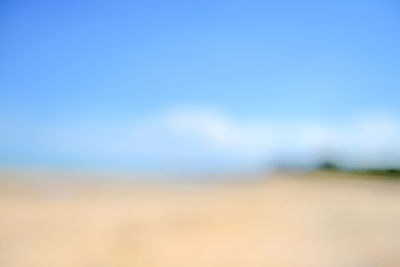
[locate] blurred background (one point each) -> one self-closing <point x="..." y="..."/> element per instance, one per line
<point x="266" y="104"/>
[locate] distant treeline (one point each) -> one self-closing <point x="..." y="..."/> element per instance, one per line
<point x="331" y="166"/>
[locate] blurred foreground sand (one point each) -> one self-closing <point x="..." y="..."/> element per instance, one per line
<point x="281" y="221"/>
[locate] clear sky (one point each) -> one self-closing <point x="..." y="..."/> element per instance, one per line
<point x="155" y="84"/>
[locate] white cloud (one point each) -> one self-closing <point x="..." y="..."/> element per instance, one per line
<point x="205" y="135"/>
<point x="207" y="132"/>
<point x="220" y="131"/>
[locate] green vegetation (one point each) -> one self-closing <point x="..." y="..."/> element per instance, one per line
<point x="384" y="171"/>
<point x="330" y="166"/>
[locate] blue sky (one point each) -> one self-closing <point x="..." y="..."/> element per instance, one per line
<point x="155" y="84"/>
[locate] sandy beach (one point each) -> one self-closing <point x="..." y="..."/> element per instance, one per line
<point x="293" y="220"/>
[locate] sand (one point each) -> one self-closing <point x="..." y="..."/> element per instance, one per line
<point x="284" y="220"/>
